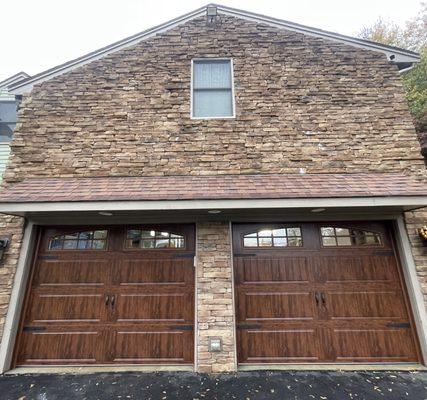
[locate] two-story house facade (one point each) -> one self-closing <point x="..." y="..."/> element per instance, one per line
<point x="226" y="190"/>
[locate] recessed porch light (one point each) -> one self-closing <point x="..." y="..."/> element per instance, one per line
<point x="317" y="210"/>
<point x="105" y="213"/>
<point x="214" y="211"/>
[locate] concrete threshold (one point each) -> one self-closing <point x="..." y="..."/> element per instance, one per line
<point x="334" y="367"/>
<point x="98" y="369"/>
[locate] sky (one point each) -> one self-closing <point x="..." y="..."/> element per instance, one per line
<point x="37" y="35"/>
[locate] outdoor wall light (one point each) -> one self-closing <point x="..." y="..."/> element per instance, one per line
<point x="423" y="233"/>
<point x="4" y="242"/>
<point x="215" y="345"/>
<point x="211" y="13"/>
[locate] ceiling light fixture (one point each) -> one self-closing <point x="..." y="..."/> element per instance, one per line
<point x="105" y="213"/>
<point x="214" y="211"/>
<point x="317" y="210"/>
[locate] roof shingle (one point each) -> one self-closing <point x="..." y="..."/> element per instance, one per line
<point x="216" y="187"/>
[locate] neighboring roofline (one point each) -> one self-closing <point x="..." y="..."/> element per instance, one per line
<point x="394" y="54"/>
<point x="406" y="202"/>
<point x="14" y="79"/>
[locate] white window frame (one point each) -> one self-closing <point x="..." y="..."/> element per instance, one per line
<point x="233" y="102"/>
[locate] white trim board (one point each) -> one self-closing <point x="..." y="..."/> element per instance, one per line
<point x="408" y="202"/>
<point x="412" y="283"/>
<point x="17" y="297"/>
<point x="393" y="54"/>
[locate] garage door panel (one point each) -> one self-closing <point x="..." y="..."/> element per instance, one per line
<point x="71" y="273"/>
<point x="279" y="345"/>
<point x="362" y="269"/>
<point x="138" y="272"/>
<point x="341" y="290"/>
<point x="137" y="346"/>
<point x="60" y="347"/>
<point x="365" y="305"/>
<point x="265" y="270"/>
<point x="373" y="345"/>
<point x="93" y="304"/>
<point x="166" y="307"/>
<point x="70" y="308"/>
<point x="267" y="306"/>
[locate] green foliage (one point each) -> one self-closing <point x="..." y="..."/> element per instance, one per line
<point x="415" y="82"/>
<point x="413" y="36"/>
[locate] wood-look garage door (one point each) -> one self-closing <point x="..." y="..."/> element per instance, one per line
<point x="105" y="295"/>
<point x="328" y="292"/>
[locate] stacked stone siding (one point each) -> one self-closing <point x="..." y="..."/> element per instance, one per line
<point x="11" y="227"/>
<point x="214" y="297"/>
<point x="301" y="102"/>
<point x="414" y="221"/>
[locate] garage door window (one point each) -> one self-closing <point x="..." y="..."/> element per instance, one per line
<point x="150" y="239"/>
<point x="282" y="237"/>
<point x="338" y="236"/>
<point x="85" y="240"/>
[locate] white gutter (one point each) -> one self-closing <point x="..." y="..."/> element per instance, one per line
<point x="406" y="69"/>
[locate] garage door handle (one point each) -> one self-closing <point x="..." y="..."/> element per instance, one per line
<point x="107" y="299"/>
<point x="322" y="295"/>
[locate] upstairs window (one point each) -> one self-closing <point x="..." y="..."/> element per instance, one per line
<point x="7" y="120"/>
<point x="212" y="89"/>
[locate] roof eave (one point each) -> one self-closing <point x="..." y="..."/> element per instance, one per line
<point x="403" y="202"/>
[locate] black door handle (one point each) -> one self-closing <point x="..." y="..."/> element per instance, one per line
<point x="113" y="300"/>
<point x="317" y="297"/>
<point x="323" y="299"/>
<point x="107" y="299"/>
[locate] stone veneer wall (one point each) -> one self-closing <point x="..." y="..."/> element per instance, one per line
<point x="415" y="220"/>
<point x="13" y="228"/>
<point x="215" y="309"/>
<point x="301" y="102"/>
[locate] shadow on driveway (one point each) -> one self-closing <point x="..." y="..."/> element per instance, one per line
<point x="283" y="385"/>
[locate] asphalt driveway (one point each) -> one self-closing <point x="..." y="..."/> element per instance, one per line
<point x="283" y="385"/>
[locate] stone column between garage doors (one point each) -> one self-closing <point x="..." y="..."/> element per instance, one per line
<point x="214" y="297"/>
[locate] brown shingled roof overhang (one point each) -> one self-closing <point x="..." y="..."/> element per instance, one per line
<point x="213" y="187"/>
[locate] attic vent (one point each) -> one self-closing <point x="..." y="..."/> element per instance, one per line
<point x="211" y="13"/>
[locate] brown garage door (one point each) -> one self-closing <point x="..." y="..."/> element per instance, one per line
<point x="104" y="295"/>
<point x="311" y="292"/>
